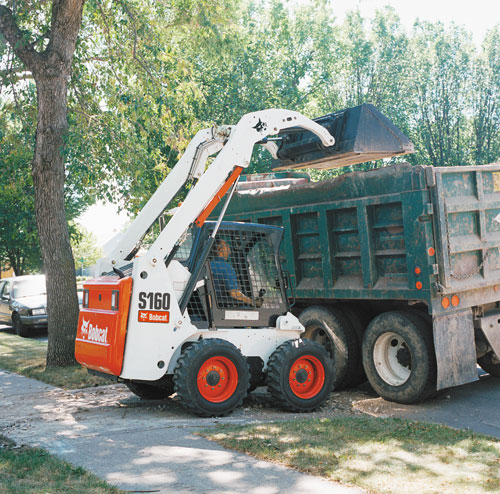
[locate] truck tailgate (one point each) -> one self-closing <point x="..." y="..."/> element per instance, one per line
<point x="467" y="225"/>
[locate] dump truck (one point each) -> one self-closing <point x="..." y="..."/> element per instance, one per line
<point x="396" y="271"/>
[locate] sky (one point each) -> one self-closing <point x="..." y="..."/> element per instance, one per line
<point x="477" y="17"/>
<point x="104" y="221"/>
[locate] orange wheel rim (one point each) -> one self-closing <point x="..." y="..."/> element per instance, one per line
<point x="307" y="376"/>
<point x="217" y="379"/>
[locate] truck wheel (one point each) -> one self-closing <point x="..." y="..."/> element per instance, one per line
<point x="300" y="375"/>
<point x="152" y="392"/>
<point x="333" y="330"/>
<point x="19" y="327"/>
<point x="398" y="357"/>
<point x="490" y="364"/>
<point x="211" y="377"/>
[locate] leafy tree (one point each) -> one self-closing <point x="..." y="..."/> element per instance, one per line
<point x="19" y="246"/>
<point x="442" y="64"/>
<point x="486" y="100"/>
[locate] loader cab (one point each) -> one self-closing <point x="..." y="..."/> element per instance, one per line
<point x="241" y="284"/>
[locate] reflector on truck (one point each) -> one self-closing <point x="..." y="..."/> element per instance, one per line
<point x="361" y="133"/>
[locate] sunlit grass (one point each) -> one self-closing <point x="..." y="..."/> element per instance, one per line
<point x="34" y="471"/>
<point x="27" y="357"/>
<point x="381" y="455"/>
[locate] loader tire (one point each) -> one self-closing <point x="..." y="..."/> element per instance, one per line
<point x="399" y="359"/>
<point x="211" y="377"/>
<point x="333" y="330"/>
<point x="300" y="375"/>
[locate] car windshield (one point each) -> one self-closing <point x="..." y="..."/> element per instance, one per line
<point x="29" y="288"/>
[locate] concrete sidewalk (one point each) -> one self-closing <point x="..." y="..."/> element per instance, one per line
<point x="138" y="445"/>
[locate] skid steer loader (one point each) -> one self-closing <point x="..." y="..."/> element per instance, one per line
<point x="204" y="312"/>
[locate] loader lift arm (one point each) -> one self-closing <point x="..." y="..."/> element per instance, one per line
<point x="234" y="145"/>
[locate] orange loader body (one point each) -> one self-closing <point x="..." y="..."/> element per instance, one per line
<point x="102" y="325"/>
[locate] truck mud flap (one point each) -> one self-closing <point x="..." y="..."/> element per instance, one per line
<point x="455" y="349"/>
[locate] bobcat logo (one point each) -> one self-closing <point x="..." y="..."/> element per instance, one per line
<point x="85" y="326"/>
<point x="143" y="316"/>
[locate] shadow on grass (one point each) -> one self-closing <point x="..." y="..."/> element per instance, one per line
<point x="384" y="455"/>
<point x="27" y="357"/>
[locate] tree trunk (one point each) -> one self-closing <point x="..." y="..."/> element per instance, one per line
<point x="48" y="180"/>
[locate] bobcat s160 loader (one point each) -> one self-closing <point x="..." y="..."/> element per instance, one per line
<point x="204" y="312"/>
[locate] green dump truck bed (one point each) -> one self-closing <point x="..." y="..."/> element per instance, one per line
<point x="404" y="237"/>
<point x="399" y="232"/>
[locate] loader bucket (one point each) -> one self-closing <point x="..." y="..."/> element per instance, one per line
<point x="361" y="134"/>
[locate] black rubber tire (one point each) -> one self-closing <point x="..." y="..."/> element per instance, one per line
<point x="19" y="327"/>
<point x="278" y="371"/>
<point x="489" y="364"/>
<point x="416" y="333"/>
<point x="186" y="376"/>
<point x="359" y="322"/>
<point x="152" y="391"/>
<point x="333" y="330"/>
<point x="257" y="375"/>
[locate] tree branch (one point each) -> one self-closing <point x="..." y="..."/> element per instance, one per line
<point x="65" y="24"/>
<point x="17" y="39"/>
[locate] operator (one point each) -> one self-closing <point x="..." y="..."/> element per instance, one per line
<point x="227" y="288"/>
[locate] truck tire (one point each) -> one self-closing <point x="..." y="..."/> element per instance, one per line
<point x="490" y="364"/>
<point x="211" y="377"/>
<point x="19" y="327"/>
<point x="300" y="375"/>
<point x="333" y="330"/>
<point x="152" y="392"/>
<point x="359" y="322"/>
<point x="398" y="357"/>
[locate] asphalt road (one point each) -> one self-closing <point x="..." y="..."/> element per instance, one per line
<point x="473" y="406"/>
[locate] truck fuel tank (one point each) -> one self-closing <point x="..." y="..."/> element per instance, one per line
<point x="362" y="133"/>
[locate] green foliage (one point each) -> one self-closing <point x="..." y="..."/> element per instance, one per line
<point x="485" y="100"/>
<point x="133" y="94"/>
<point x="18" y="234"/>
<point x="85" y="249"/>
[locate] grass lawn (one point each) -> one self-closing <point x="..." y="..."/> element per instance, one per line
<point x="34" y="471"/>
<point x="379" y="455"/>
<point x="27" y="357"/>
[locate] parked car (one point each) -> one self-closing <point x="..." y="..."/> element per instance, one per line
<point x="23" y="303"/>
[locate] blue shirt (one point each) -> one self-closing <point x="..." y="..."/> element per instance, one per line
<point x="225" y="280"/>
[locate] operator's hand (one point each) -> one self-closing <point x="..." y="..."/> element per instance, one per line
<point x="258" y="302"/>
